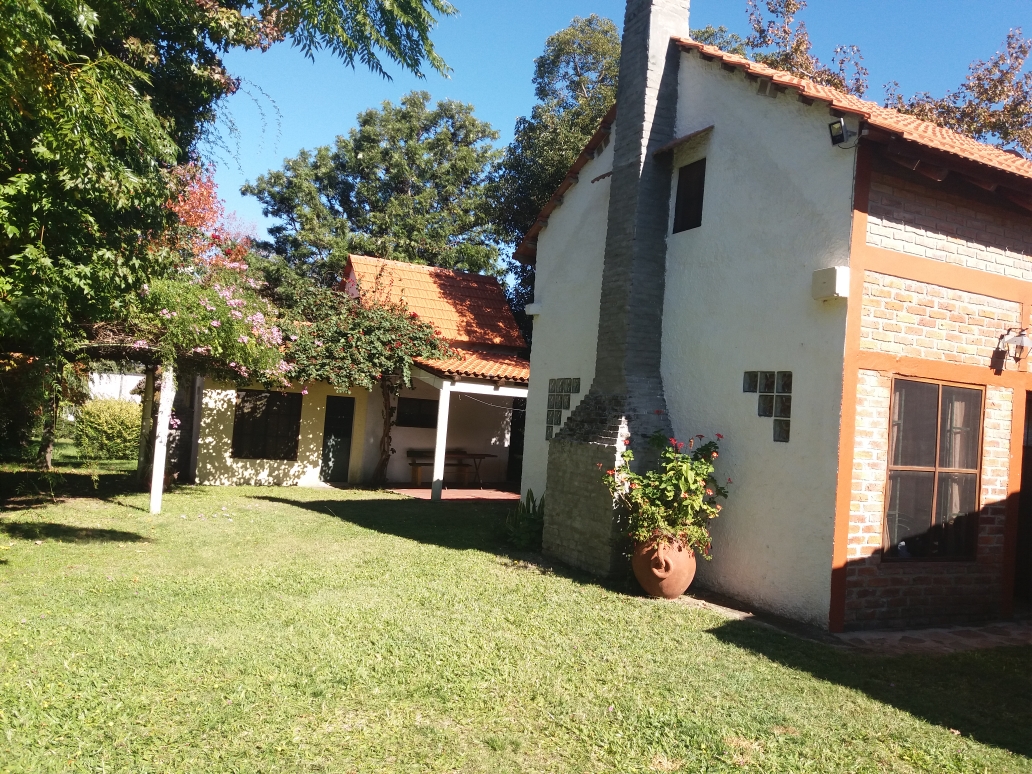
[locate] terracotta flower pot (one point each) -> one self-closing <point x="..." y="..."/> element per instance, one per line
<point x="663" y="569"/>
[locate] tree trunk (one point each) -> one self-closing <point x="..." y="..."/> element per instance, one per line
<point x="146" y="426"/>
<point x="168" y="394"/>
<point x="380" y="473"/>
<point x="45" y="457"/>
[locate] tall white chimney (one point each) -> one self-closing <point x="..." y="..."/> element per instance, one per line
<point x="626" y="400"/>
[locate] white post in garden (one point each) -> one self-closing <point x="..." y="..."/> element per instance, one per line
<point x="168" y="394"/>
<point x="442" y="441"/>
<point x="146" y="423"/>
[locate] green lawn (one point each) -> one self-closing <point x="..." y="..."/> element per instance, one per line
<point x="295" y="630"/>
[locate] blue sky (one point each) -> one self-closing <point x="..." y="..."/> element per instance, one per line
<point x="926" y="45"/>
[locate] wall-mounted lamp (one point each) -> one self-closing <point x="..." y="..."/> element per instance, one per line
<point x="1019" y="345"/>
<point x="840" y="133"/>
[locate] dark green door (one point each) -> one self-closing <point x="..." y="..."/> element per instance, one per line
<point x="336" y="450"/>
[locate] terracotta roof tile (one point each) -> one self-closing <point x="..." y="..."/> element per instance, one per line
<point x="481" y="365"/>
<point x="466" y="308"/>
<point x="906" y="126"/>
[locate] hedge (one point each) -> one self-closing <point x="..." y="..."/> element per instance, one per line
<point x="108" y="430"/>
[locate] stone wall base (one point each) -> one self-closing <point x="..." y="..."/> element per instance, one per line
<point x="581" y="528"/>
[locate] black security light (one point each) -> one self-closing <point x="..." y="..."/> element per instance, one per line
<point x="840" y="133"/>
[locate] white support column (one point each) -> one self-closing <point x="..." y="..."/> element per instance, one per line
<point x="442" y="440"/>
<point x="168" y="394"/>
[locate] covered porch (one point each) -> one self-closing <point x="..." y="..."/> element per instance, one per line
<point x="473" y="382"/>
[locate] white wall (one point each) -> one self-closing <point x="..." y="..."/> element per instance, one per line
<point x="217" y="467"/>
<point x="568" y="286"/>
<point x="472" y="426"/>
<point x="777" y="206"/>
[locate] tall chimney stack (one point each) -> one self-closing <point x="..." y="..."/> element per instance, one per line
<point x="626" y="400"/>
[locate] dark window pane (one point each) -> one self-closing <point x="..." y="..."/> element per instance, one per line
<point x="781" y="430"/>
<point x="417" y="412"/>
<point x="565" y="386"/>
<point x="958" y="429"/>
<point x="915" y="408"/>
<point x="566" y="403"/>
<point x="751" y="381"/>
<point x="784" y="382"/>
<point x="956" y="520"/>
<point x="551" y="401"/>
<point x="767" y="381"/>
<point x="783" y="406"/>
<point x="548" y="433"/>
<point x="909" y="513"/>
<point x="691" y="182"/>
<point x="266" y="425"/>
<point x="575" y="386"/>
<point x="765" y="406"/>
<point x="551" y="385"/>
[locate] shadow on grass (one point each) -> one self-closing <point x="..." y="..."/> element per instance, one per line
<point x="984" y="694"/>
<point x="64" y="533"/>
<point x="27" y="489"/>
<point x="461" y="525"/>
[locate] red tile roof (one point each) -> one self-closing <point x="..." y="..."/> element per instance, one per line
<point x="466" y="308"/>
<point x="899" y="124"/>
<point x="905" y="126"/>
<point x="496" y="366"/>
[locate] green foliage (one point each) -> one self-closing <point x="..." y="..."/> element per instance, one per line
<point x="674" y="503"/>
<point x="21" y="398"/>
<point x="108" y="430"/>
<point x="994" y="104"/>
<point x="409" y="184"/>
<point x="80" y="174"/>
<point x="575" y="85"/>
<point x="98" y="100"/>
<point x="525" y="522"/>
<point x="721" y="38"/>
<point x="351" y="342"/>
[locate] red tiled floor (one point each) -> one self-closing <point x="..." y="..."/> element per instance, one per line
<point x="460" y="494"/>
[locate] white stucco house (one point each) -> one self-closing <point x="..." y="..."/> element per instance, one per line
<point x="836" y="288"/>
<point x="454" y="424"/>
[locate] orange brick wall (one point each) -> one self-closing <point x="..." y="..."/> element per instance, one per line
<point x="916" y="219"/>
<point x="908" y="594"/>
<point x="916" y="319"/>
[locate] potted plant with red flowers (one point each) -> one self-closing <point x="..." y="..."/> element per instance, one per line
<point x="668" y="511"/>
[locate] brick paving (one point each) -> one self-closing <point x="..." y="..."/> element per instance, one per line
<point x="953" y="639"/>
<point x="460" y="494"/>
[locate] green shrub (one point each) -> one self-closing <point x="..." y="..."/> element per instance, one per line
<point x="108" y="430"/>
<point x="524" y="524"/>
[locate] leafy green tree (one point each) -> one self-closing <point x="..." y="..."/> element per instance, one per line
<point x="994" y="104"/>
<point x="98" y="101"/>
<point x="575" y="86"/>
<point x="408" y="183"/>
<point x="783" y="42"/>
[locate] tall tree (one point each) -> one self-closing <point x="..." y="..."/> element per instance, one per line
<point x="408" y="183"/>
<point x="99" y="100"/>
<point x="783" y="42"/>
<point x="994" y="104"/>
<point x="575" y="85"/>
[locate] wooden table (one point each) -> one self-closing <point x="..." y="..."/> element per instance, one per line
<point x="453" y="458"/>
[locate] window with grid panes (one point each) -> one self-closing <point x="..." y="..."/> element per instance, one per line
<point x="931" y="500"/>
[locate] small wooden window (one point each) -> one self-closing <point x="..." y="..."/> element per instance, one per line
<point x="691" y="181"/>
<point x="417" y="412"/>
<point x="266" y="425"/>
<point x="931" y="500"/>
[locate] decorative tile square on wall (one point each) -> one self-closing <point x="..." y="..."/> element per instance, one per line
<point x="773" y="390"/>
